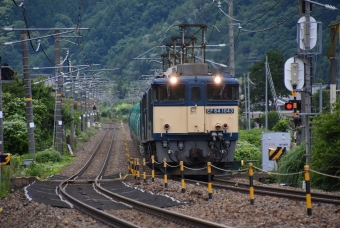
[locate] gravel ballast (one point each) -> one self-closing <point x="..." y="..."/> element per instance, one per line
<point x="228" y="208"/>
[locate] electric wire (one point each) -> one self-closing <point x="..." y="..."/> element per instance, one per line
<point x="253" y="19"/>
<point x="272" y="27"/>
<point x="79" y="40"/>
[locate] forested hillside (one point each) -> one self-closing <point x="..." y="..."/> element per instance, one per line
<point x="121" y="30"/>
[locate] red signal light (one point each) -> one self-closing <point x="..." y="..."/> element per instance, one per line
<point x="289" y="106"/>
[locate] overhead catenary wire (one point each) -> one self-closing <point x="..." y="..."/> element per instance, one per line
<point x="271" y="27"/>
<point x="250" y="20"/>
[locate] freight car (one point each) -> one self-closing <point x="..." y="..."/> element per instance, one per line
<point x="188" y="113"/>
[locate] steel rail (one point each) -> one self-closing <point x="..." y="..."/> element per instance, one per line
<point x="98" y="214"/>
<point x="272" y="191"/>
<point x="169" y="215"/>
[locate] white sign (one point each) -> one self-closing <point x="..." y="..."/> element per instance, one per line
<point x="288" y="73"/>
<point x="313" y="32"/>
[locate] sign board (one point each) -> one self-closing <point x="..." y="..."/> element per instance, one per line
<point x="276" y="153"/>
<point x="273" y="140"/>
<point x="290" y="70"/>
<point x="5" y="159"/>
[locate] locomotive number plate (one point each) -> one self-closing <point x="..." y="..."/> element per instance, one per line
<point x="219" y="110"/>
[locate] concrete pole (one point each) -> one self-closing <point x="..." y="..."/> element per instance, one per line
<point x="28" y="92"/>
<point x="306" y="97"/>
<point x="1" y="122"/>
<point x="333" y="71"/>
<point x="245" y="97"/>
<point x="231" y="39"/>
<point x="59" y="124"/>
<point x="266" y="95"/>
<point x="308" y="84"/>
<point x="248" y="94"/>
<point x="71" y="103"/>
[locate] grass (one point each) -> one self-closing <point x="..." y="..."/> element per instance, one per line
<point x="45" y="163"/>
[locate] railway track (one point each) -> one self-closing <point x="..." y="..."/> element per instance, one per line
<point x="271" y="191"/>
<point x="84" y="190"/>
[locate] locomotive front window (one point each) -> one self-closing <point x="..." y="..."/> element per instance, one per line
<point x="195" y="93"/>
<point x="222" y="92"/>
<point x="169" y="92"/>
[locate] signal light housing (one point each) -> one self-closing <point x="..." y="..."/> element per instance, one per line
<point x="289" y="106"/>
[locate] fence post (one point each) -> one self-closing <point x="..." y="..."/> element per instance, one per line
<point x="144" y="171"/>
<point x="134" y="168"/>
<point x="152" y="169"/>
<point x="209" y="181"/>
<point x="251" y="183"/>
<point x="308" y="195"/>
<point x="182" y="176"/>
<point x="138" y="172"/>
<point x="165" y="175"/>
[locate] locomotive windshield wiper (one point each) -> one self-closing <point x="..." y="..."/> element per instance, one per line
<point x="168" y="90"/>
<point x="221" y="91"/>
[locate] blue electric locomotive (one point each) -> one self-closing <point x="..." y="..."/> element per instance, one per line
<point x="188" y="114"/>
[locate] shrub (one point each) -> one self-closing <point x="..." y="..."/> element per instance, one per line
<point x="292" y="162"/>
<point x="48" y="155"/>
<point x="246" y="151"/>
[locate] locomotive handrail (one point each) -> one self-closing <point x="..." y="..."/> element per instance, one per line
<point x="172" y="166"/>
<point x="195" y="169"/>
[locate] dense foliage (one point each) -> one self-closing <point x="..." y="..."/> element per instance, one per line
<point x="326" y="147"/>
<point x="292" y="163"/>
<point x="249" y="146"/>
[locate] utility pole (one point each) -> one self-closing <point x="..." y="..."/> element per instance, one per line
<point x="248" y="94"/>
<point x="59" y="123"/>
<point x="71" y="102"/>
<point x="1" y="122"/>
<point x="305" y="9"/>
<point x="266" y="95"/>
<point x="28" y="92"/>
<point x="231" y="39"/>
<point x="245" y="98"/>
<point x="332" y="60"/>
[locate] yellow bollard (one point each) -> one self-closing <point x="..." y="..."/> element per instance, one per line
<point x="308" y="193"/>
<point x="134" y="169"/>
<point x="138" y="173"/>
<point x="152" y="169"/>
<point x="165" y="175"/>
<point x="182" y="176"/>
<point x="144" y="170"/>
<point x="251" y="183"/>
<point x="209" y="182"/>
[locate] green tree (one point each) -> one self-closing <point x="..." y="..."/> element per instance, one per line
<point x="282" y="125"/>
<point x="325" y="100"/>
<point x="273" y="119"/>
<point x="258" y="76"/>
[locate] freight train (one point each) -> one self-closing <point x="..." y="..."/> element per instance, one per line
<point x="188" y="113"/>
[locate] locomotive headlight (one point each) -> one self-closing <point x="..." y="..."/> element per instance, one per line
<point x="217" y="79"/>
<point x="173" y="79"/>
<point x="166" y="126"/>
<point x="218" y="126"/>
